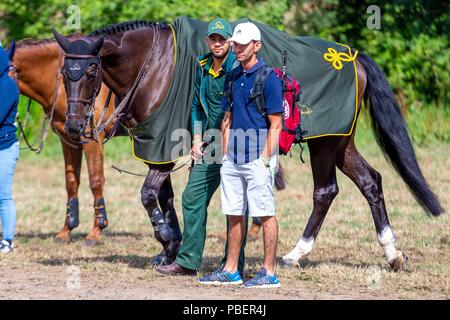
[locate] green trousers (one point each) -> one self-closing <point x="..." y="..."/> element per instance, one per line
<point x="203" y="181"/>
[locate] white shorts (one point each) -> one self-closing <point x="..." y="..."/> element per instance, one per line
<point x="249" y="184"/>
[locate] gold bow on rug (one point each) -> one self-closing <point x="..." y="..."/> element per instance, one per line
<point x="336" y="58"/>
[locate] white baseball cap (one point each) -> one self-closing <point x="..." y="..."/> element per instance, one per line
<point x="246" y="32"/>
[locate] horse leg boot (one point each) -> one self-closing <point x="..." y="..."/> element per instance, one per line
<point x="94" y="159"/>
<point x="369" y="183"/>
<point x="165" y="198"/>
<point x="72" y="161"/>
<point x="100" y="223"/>
<point x="169" y="237"/>
<point x="325" y="190"/>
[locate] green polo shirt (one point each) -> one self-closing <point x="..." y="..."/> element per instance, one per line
<point x="214" y="83"/>
<point x="208" y="91"/>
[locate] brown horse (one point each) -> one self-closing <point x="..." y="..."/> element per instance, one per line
<point x="35" y="67"/>
<point x="116" y="54"/>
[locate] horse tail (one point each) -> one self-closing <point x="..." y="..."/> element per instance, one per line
<point x="392" y="136"/>
<point x="279" y="178"/>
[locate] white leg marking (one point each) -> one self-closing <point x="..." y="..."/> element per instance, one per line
<point x="387" y="241"/>
<point x="301" y="250"/>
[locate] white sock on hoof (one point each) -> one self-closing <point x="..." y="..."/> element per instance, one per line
<point x="301" y="250"/>
<point x="387" y="241"/>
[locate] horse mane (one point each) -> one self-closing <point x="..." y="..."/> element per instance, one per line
<point x="127" y="26"/>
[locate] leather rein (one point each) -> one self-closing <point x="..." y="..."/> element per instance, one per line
<point x="48" y="118"/>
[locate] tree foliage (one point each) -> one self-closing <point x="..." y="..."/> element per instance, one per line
<point x="412" y="46"/>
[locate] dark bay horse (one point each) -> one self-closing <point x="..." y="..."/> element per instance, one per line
<point x="35" y="67"/>
<point x="116" y="55"/>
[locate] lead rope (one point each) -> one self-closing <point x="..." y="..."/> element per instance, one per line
<point x="111" y="165"/>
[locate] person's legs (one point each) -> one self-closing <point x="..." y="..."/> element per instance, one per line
<point x="203" y="182"/>
<point x="234" y="205"/>
<point x="261" y="203"/>
<point x="236" y="226"/>
<point x="7" y="206"/>
<point x="241" y="262"/>
<point x="270" y="236"/>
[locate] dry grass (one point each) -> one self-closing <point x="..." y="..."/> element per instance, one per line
<point x="345" y="256"/>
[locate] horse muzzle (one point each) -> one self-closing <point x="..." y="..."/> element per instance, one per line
<point x="74" y="126"/>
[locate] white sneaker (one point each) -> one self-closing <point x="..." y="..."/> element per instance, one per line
<point x="5" y="247"/>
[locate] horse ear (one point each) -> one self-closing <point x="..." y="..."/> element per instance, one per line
<point x="95" y="46"/>
<point x="62" y="41"/>
<point x="12" y="49"/>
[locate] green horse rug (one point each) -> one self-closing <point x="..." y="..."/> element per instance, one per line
<point x="325" y="70"/>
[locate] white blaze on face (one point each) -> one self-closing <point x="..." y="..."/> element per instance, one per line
<point x="301" y="250"/>
<point x="387" y="240"/>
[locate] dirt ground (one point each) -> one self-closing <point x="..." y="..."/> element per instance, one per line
<point x="347" y="262"/>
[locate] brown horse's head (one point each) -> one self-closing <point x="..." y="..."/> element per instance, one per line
<point x="82" y="80"/>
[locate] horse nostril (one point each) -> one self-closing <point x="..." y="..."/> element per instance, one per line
<point x="73" y="129"/>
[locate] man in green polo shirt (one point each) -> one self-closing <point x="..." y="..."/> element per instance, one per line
<point x="204" y="178"/>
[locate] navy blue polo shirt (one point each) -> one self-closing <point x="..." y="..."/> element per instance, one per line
<point x="249" y="128"/>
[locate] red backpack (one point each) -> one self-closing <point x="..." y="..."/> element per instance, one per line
<point x="291" y="132"/>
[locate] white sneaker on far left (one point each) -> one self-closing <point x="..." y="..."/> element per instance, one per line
<point x="6" y="247"/>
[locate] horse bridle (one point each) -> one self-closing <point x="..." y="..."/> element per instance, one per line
<point x="120" y="109"/>
<point x="90" y="103"/>
<point x="48" y="118"/>
<point x="12" y="67"/>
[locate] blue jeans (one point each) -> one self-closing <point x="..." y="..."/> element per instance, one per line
<point x="8" y="159"/>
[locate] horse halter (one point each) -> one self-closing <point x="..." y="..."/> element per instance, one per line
<point x="12" y="68"/>
<point x="75" y="67"/>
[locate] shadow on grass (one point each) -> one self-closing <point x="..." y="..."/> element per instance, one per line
<point x="211" y="264"/>
<point x="308" y="264"/>
<point x="133" y="261"/>
<point x="77" y="236"/>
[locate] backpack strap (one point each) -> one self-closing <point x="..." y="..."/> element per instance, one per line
<point x="229" y="93"/>
<point x="258" y="88"/>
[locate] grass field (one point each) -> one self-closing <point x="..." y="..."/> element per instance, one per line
<point x="344" y="264"/>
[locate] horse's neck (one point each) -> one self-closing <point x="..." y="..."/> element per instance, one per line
<point x="123" y="56"/>
<point x="36" y="68"/>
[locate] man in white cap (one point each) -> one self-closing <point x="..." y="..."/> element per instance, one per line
<point x="250" y="143"/>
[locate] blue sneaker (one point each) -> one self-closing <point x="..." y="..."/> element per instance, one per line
<point x="263" y="280"/>
<point x="221" y="278"/>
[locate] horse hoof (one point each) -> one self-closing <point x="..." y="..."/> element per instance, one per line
<point x="160" y="260"/>
<point x="290" y="261"/>
<point x="397" y="263"/>
<point x="90" y="242"/>
<point x="62" y="239"/>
